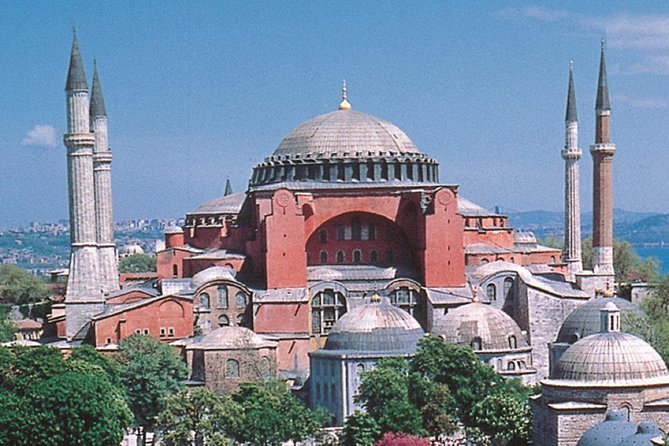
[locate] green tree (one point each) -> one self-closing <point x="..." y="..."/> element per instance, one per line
<point x="18" y="286"/>
<point x="199" y="417"/>
<point x="272" y="415"/>
<point x="150" y="372"/>
<point x="503" y="419"/>
<point x="137" y="263"/>
<point x="7" y="327"/>
<point x="360" y="429"/>
<point x="656" y="306"/>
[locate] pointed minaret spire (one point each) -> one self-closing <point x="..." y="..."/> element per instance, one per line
<point x="602" y="154"/>
<point x="228" y="187"/>
<point x="572" y="206"/>
<point x="97" y="107"/>
<point x="344" y="105"/>
<point x="602" y="103"/>
<point x="76" y="78"/>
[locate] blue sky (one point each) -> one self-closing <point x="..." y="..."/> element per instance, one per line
<point x="199" y="91"/>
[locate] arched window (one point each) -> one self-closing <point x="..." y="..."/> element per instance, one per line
<point x="476" y="343"/>
<point x="405" y="298"/>
<point x="326" y="309"/>
<point x="264" y="368"/>
<point x="341" y="232"/>
<point x="511" y="365"/>
<point x="373" y="257"/>
<point x="491" y="291"/>
<point x="513" y="342"/>
<point x="323" y="234"/>
<point x="356" y="229"/>
<point x="324" y="257"/>
<point x="175" y="271"/>
<point x="552" y="259"/>
<point x="371" y="232"/>
<point x="340" y="256"/>
<point x="241" y="300"/>
<point x="231" y="369"/>
<point x="223" y="321"/>
<point x="204" y="301"/>
<point x="241" y="320"/>
<point x="222" y="296"/>
<point x="499" y="364"/>
<point x="357" y="256"/>
<point x="508" y="285"/>
<point x="484" y="261"/>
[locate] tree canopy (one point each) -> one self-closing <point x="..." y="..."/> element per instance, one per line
<point x="137" y="263"/>
<point x="47" y="400"/>
<point x="7" y="327"/>
<point x="442" y="385"/>
<point x="18" y="286"/>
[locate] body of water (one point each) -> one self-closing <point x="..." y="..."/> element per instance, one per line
<point x="661" y="253"/>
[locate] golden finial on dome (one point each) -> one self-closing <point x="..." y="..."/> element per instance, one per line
<point x="344" y="105"/>
<point x="608" y="292"/>
<point x="375" y="297"/>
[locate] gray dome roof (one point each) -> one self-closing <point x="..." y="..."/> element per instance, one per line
<point x="585" y="320"/>
<point x="231" y="338"/>
<point x="609" y="432"/>
<point x="492" y="326"/>
<point x="375" y="327"/>
<point x="211" y="274"/>
<point x="344" y="134"/>
<point x="646" y="431"/>
<point x="611" y="358"/>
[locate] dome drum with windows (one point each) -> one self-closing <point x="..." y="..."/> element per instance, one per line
<point x="346" y="146"/>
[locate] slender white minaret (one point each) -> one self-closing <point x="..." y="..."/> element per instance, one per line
<point x="102" y="158"/>
<point x="572" y="202"/>
<point x="83" y="298"/>
<point x="602" y="154"/>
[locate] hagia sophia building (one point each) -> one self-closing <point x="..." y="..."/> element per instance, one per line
<point x="347" y="247"/>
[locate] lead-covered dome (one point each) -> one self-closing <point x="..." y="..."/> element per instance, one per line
<point x="611" y="358"/>
<point x="609" y="432"/>
<point x="481" y="326"/>
<point x="346" y="146"/>
<point x="375" y="327"/>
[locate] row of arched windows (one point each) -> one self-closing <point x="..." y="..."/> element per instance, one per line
<point x="357" y="257"/>
<point x="232" y="369"/>
<point x="477" y="343"/>
<point x="241" y="299"/>
<point x="491" y="289"/>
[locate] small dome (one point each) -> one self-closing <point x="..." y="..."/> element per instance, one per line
<point x="646" y="432"/>
<point x="613" y="358"/>
<point x="174" y="230"/>
<point x="375" y="327"/>
<point x="585" y="320"/>
<point x="491" y="327"/>
<point x="609" y="432"/>
<point x="524" y="238"/>
<point x="131" y="249"/>
<point x="344" y="134"/>
<point x="212" y="273"/>
<point x="231" y="338"/>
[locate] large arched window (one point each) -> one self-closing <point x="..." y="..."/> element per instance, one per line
<point x="326" y="308"/>
<point x="231" y="369"/>
<point x="405" y="298"/>
<point x="508" y="284"/>
<point x="241" y="300"/>
<point x="204" y="301"/>
<point x="491" y="291"/>
<point x="222" y="296"/>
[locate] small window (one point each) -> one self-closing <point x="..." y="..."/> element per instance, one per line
<point x="240" y="300"/>
<point x="373" y="257"/>
<point x="484" y="261"/>
<point x="357" y="256"/>
<point x="340" y="256"/>
<point x="204" y="301"/>
<point x="476" y="343"/>
<point x="341" y="232"/>
<point x="175" y="271"/>
<point x="356" y="229"/>
<point x="231" y="369"/>
<point x="223" y="321"/>
<point x="324" y="257"/>
<point x="162" y="331"/>
<point x="371" y="232"/>
<point x="552" y="259"/>
<point x="109" y="341"/>
<point x="138" y="331"/>
<point x="222" y="296"/>
<point x="513" y="342"/>
<point x="241" y="320"/>
<point x="146" y="331"/>
<point x="170" y="331"/>
<point x="508" y="285"/>
<point x="491" y="291"/>
<point x="323" y="235"/>
<point x="511" y="366"/>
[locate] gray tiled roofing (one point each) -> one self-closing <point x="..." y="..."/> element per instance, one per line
<point x="470" y="209"/>
<point x="97" y="107"/>
<point x="211" y="274"/>
<point x="228" y="204"/>
<point x="343" y="133"/>
<point x="218" y="254"/>
<point x="374" y="327"/>
<point x="312" y="186"/>
<point x="231" y="338"/>
<point x="491" y="325"/>
<point x="76" y="78"/>
<point x="614" y="358"/>
<point x="449" y="296"/>
<point x="585" y="320"/>
<point x="356" y="272"/>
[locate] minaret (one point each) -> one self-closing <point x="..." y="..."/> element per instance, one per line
<point x="572" y="202"/>
<point x="602" y="154"/>
<point x="102" y="158"/>
<point x="83" y="298"/>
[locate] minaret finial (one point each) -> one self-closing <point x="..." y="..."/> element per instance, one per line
<point x="344" y="105"/>
<point x="76" y="78"/>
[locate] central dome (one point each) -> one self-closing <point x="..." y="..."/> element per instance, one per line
<point x="344" y="134"/>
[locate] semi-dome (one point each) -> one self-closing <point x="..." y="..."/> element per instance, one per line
<point x="609" y="432"/>
<point x="376" y="326"/>
<point x="346" y="146"/>
<point x="482" y="326"/>
<point x="611" y="358"/>
<point x="585" y="320"/>
<point x="211" y="274"/>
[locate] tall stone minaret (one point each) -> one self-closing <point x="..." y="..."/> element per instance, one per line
<point x="102" y="158"/>
<point x="572" y="202"/>
<point x="602" y="154"/>
<point x="83" y="298"/>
